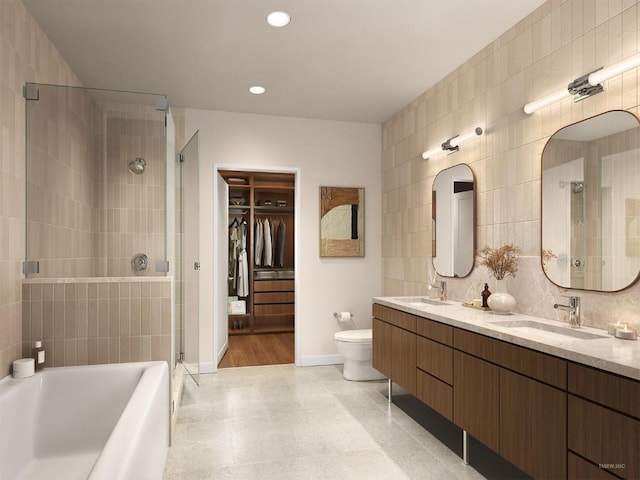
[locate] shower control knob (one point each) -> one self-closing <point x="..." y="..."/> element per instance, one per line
<point x="196" y="265"/>
<point x="577" y="262"/>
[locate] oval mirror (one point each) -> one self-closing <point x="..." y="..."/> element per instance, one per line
<point x="452" y="216"/>
<point x="591" y="203"/>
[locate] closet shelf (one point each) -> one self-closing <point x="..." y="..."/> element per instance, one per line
<point x="269" y="210"/>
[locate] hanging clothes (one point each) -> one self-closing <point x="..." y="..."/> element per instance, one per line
<point x="280" y="243"/>
<point x="268" y="244"/>
<point x="243" y="263"/>
<point x="234" y="244"/>
<point x="259" y="242"/>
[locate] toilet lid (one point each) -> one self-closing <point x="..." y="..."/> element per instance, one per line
<point x="355" y="336"/>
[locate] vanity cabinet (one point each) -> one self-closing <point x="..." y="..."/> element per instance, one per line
<point x="603" y="424"/>
<point x="394" y="345"/>
<point x="510" y="398"/>
<point x="434" y="360"/>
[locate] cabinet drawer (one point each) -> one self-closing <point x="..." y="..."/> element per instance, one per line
<point x="435" y="359"/>
<point x="605" y="437"/>
<point x="395" y="317"/>
<point x="540" y="366"/>
<point x="617" y="392"/>
<point x="434" y="330"/>
<point x="273" y="286"/>
<point x="435" y="394"/>
<point x="579" y="468"/>
<point x="273" y="297"/>
<point x="274" y="309"/>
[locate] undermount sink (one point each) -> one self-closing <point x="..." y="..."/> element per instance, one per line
<point x="524" y="325"/>
<point x="421" y="301"/>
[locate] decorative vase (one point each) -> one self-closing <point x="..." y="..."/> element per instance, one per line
<point x="500" y="302"/>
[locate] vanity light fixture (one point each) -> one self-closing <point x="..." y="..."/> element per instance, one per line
<point x="278" y="19"/>
<point x="453" y="144"/>
<point x="586" y="85"/>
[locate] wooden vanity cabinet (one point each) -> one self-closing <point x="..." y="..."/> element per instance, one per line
<point x="603" y="423"/>
<point x="506" y="396"/>
<point x="394" y="345"/>
<point x="434" y="359"/>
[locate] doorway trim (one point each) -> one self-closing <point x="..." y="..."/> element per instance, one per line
<point x="220" y="291"/>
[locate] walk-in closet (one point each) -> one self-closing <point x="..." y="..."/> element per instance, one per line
<point x="260" y="267"/>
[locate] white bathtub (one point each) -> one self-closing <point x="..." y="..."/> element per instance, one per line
<point x="102" y="422"/>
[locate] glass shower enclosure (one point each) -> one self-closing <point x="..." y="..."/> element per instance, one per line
<point x="101" y="229"/>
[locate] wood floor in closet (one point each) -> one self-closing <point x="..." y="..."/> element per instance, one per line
<point x="262" y="349"/>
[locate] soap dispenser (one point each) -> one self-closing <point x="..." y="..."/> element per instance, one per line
<point x="38" y="355"/>
<point x="485" y="295"/>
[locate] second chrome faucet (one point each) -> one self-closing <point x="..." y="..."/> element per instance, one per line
<point x="574" y="310"/>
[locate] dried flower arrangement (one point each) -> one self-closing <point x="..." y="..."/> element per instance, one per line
<point x="501" y="261"/>
<point x="546" y="256"/>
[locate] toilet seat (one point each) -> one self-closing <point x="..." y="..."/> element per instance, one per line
<point x="355" y="336"/>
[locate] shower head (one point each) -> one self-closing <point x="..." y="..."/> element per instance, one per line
<point x="137" y="166"/>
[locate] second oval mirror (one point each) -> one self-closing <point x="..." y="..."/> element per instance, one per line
<point x="591" y="203"/>
<point x="453" y="226"/>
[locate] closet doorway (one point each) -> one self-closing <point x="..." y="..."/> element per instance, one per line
<point x="260" y="268"/>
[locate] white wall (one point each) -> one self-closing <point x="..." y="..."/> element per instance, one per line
<point x="327" y="153"/>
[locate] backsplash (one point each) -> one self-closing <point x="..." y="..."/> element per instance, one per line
<point x="546" y="50"/>
<point x="89" y="321"/>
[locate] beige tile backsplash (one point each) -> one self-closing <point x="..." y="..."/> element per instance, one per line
<point x="560" y="41"/>
<point x="91" y="321"/>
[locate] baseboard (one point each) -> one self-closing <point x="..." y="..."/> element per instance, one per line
<point x="317" y="360"/>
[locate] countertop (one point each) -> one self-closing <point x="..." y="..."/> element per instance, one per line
<point x="607" y="353"/>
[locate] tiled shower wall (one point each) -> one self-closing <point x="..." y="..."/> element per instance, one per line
<point x="132" y="206"/>
<point x="94" y="321"/>
<point x="26" y="55"/>
<point x="560" y="41"/>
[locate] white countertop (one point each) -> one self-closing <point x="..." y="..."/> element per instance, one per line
<point x="607" y="353"/>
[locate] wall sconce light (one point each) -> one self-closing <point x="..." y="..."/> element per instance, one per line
<point x="586" y="85"/>
<point x="452" y="144"/>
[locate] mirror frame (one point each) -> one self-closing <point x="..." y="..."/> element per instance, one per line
<point x="542" y="249"/>
<point x="473" y="226"/>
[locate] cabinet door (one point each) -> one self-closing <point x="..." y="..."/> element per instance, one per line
<point x="533" y="435"/>
<point x="382" y="346"/>
<point x="403" y="359"/>
<point x="475" y="398"/>
<point x="608" y="439"/>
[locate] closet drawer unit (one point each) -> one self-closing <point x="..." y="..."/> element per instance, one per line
<point x="274" y="309"/>
<point x="274" y="286"/>
<point x="273" y="322"/>
<point x="273" y="297"/>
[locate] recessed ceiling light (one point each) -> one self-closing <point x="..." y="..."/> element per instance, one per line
<point x="278" y="19"/>
<point x="257" y="90"/>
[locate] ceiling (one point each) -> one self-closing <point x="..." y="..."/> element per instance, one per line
<point x="349" y="60"/>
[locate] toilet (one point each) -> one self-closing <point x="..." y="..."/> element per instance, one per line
<point x="355" y="346"/>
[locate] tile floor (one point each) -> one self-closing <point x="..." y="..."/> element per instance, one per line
<point x="286" y="422"/>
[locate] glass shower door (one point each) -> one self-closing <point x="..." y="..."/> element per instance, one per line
<point x="189" y="258"/>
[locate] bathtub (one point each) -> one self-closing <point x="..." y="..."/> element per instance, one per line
<point x="100" y="422"/>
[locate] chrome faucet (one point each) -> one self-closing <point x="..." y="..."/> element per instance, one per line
<point x="574" y="310"/>
<point x="443" y="291"/>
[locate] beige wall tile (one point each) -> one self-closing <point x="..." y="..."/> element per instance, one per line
<point x="558" y="42"/>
